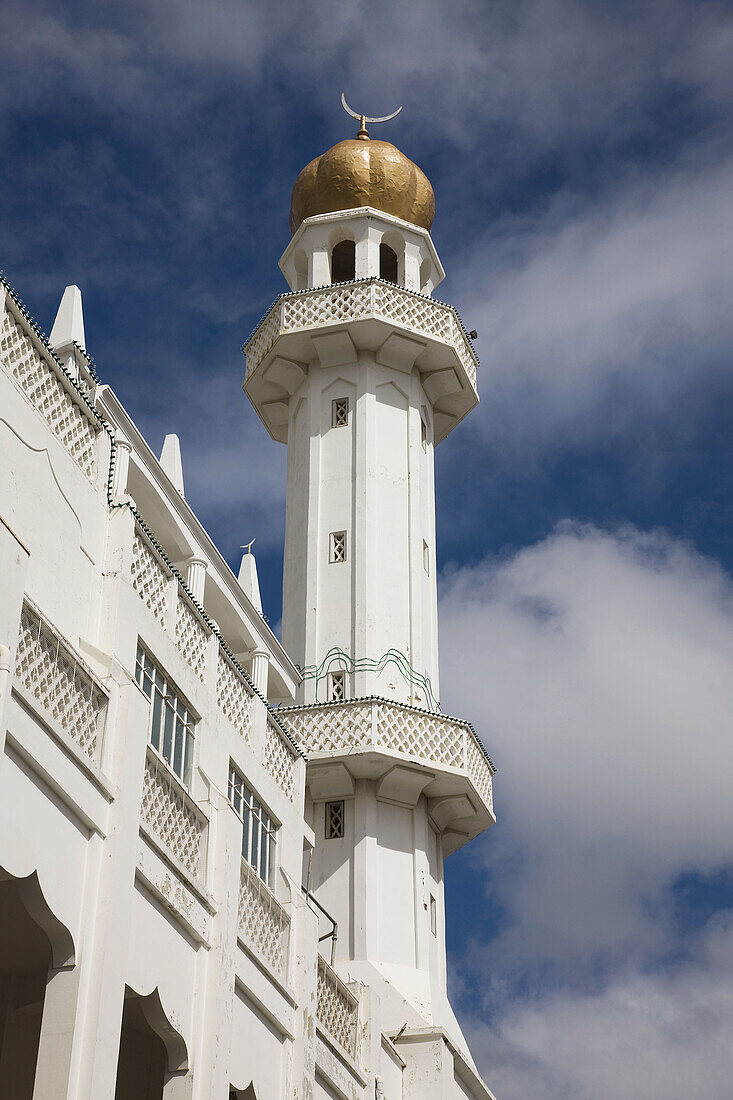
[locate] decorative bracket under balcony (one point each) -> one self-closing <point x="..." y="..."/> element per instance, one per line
<point x="332" y="324"/>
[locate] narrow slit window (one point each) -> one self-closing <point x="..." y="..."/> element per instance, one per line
<point x="338" y="546"/>
<point x="433" y="916"/>
<point x="340" y="412"/>
<point x="425" y="557"/>
<point x="423" y="433"/>
<point x="337" y="686"/>
<point x="334" y="820"/>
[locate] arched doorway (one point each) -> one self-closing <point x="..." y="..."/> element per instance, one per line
<point x="153" y="1056"/>
<point x="32" y="943"/>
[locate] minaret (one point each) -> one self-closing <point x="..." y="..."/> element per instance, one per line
<point x="361" y="372"/>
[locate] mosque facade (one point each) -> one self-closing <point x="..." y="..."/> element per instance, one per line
<point x="222" y="856"/>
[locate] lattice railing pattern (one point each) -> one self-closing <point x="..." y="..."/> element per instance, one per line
<point x="169" y="812"/>
<point x="280" y="760"/>
<point x="234" y="695"/>
<point x="355" y="301"/>
<point x="413" y="311"/>
<point x="192" y="637"/>
<point x="263" y="923"/>
<point x="263" y="338"/>
<point x="149" y="578"/>
<point x="329" y="728"/>
<point x="478" y="771"/>
<point x="319" y="307"/>
<point x="54" y="675"/>
<point x="421" y="734"/>
<point x="462" y="351"/>
<point x="337" y="1009"/>
<point x="43" y="389"/>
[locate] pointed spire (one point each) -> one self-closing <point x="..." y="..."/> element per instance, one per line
<point x="68" y="328"/>
<point x="248" y="577"/>
<point x="170" y="460"/>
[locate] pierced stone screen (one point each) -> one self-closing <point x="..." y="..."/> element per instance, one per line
<point x="338" y="546"/>
<point x="334" y="820"/>
<point x="340" y="412"/>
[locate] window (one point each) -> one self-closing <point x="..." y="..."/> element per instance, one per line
<point x="343" y="262"/>
<point x="425" y="557"/>
<point x="258" y="828"/>
<point x="433" y="916"/>
<point x="387" y="263"/>
<point x="337" y="686"/>
<point x="423" y="433"/>
<point x="340" y="412"/>
<point x="334" y="820"/>
<point x="171" y="723"/>
<point x="338" y="546"/>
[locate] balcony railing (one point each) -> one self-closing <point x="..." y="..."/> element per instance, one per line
<point x="362" y="300"/>
<point x="264" y="926"/>
<point x="42" y="379"/>
<point x="381" y="724"/>
<point x="337" y="1009"/>
<point x="172" y="817"/>
<point x="55" y="676"/>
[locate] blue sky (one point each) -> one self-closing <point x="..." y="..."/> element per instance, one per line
<point x="582" y="160"/>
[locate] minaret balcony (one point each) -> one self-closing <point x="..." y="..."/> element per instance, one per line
<point x="406" y="751"/>
<point x="332" y="324"/>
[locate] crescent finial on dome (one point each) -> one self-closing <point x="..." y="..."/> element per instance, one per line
<point x="363" y="172"/>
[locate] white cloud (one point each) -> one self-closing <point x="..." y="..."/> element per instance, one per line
<point x="598" y="314"/>
<point x="600" y="673"/>
<point x="645" y="1036"/>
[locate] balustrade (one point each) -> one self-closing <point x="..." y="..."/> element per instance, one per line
<point x="337" y="1009"/>
<point x="57" y="678"/>
<point x="378" y="723"/>
<point x="358" y="301"/>
<point x="264" y="926"/>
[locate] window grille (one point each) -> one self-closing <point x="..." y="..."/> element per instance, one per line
<point x="338" y="546"/>
<point x="258" y="828"/>
<point x="334" y="820"/>
<point x="338" y="686"/>
<point x="340" y="412"/>
<point x="425" y="557"/>
<point x="171" y="721"/>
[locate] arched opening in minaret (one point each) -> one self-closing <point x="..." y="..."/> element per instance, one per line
<point x="387" y="263"/>
<point x="343" y="262"/>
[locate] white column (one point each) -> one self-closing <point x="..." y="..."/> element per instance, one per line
<point x="319" y="261"/>
<point x="56" y="1041"/>
<point x="367" y="252"/>
<point x="196" y="578"/>
<point x="123" y="450"/>
<point x="260" y="668"/>
<point x="412" y="266"/>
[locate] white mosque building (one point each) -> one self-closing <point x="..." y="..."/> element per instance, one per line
<point x="221" y="858"/>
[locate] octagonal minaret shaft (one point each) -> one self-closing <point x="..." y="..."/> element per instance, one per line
<point x="361" y="376"/>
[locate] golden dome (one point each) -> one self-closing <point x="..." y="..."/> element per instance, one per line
<point x="361" y="172"/>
